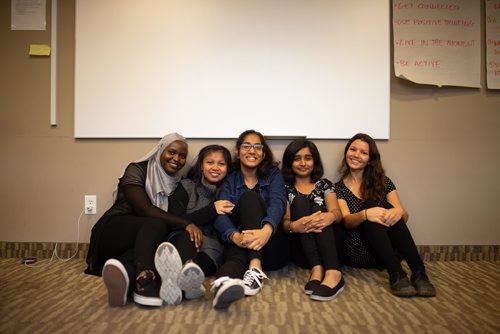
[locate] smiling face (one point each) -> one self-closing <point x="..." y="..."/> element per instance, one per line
<point x="174" y="157"/>
<point x="214" y="167"/>
<point x="358" y="155"/>
<point x="303" y="163"/>
<point x="251" y="157"/>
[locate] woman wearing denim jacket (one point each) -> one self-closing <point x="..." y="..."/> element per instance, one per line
<point x="252" y="233"/>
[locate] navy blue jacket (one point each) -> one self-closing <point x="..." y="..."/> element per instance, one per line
<point x="272" y="190"/>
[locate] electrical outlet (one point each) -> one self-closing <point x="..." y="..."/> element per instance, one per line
<point x="90" y="204"/>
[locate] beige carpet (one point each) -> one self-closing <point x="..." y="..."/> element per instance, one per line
<point x="58" y="297"/>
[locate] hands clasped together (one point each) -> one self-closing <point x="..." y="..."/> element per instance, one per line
<point x="313" y="223"/>
<point x="253" y="239"/>
<point x="382" y="216"/>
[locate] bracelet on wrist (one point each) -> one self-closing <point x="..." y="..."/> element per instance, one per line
<point x="290" y="227"/>
<point x="366" y="217"/>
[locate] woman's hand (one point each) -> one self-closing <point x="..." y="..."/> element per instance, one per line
<point x="316" y="222"/>
<point x="223" y="207"/>
<point x="237" y="239"/>
<point x="256" y="239"/>
<point x="376" y="215"/>
<point x="393" y="216"/>
<point x="195" y="235"/>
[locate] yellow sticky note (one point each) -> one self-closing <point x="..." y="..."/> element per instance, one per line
<point x="39" y="50"/>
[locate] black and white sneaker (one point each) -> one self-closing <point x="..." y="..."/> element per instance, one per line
<point x="229" y="290"/>
<point x="147" y="287"/>
<point x="253" y="281"/>
<point x="191" y="281"/>
<point x="116" y="280"/>
<point x="169" y="264"/>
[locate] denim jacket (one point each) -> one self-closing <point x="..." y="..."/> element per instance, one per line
<point x="272" y="190"/>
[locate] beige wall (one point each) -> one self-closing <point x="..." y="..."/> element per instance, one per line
<point x="442" y="155"/>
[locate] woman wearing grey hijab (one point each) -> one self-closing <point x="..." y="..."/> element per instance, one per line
<point x="124" y="240"/>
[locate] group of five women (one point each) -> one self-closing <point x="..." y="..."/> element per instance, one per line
<point x="237" y="219"/>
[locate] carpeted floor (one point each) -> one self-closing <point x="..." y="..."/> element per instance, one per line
<point x="58" y="297"/>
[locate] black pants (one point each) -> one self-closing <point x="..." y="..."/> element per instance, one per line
<point x="132" y="240"/>
<point x="318" y="248"/>
<point x="187" y="251"/>
<point x="387" y="242"/>
<point x="248" y="215"/>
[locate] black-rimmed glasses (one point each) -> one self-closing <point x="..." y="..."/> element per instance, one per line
<point x="248" y="146"/>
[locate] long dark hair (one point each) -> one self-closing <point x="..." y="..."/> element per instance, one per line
<point x="266" y="164"/>
<point x="289" y="156"/>
<point x="373" y="185"/>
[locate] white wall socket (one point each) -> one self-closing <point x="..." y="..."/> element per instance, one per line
<point x="90" y="204"/>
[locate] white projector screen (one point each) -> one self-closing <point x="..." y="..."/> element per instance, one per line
<point x="214" y="68"/>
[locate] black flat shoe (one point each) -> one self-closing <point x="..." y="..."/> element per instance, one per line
<point x="324" y="293"/>
<point x="311" y="286"/>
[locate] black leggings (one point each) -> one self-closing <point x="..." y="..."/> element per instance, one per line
<point x="387" y="242"/>
<point x="187" y="250"/>
<point x="132" y="240"/>
<point x="319" y="248"/>
<point x="248" y="215"/>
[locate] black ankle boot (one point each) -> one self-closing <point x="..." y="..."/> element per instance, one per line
<point x="401" y="286"/>
<point x="422" y="284"/>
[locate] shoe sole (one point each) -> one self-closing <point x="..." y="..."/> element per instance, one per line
<point x="251" y="292"/>
<point x="227" y="295"/>
<point x="116" y="280"/>
<point x="423" y="293"/>
<point x="327" y="299"/>
<point x="191" y="280"/>
<point x="168" y="263"/>
<point x="147" y="301"/>
<point x="404" y="294"/>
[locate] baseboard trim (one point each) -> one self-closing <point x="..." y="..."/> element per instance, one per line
<point x="460" y="253"/>
<point x="42" y="250"/>
<point x="66" y="250"/>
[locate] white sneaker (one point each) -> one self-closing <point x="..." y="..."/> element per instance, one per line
<point x="191" y="281"/>
<point x="116" y="280"/>
<point x="229" y="290"/>
<point x="253" y="281"/>
<point x="168" y="263"/>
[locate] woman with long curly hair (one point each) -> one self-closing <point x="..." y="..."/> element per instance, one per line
<point x="375" y="219"/>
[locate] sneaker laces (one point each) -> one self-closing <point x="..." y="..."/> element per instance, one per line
<point x="254" y="275"/>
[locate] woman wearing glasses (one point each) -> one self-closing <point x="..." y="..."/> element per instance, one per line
<point x="252" y="234"/>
